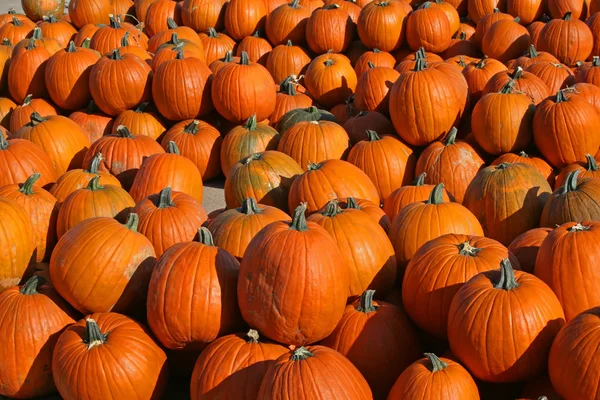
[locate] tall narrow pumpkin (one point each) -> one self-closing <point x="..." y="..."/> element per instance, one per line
<point x="26" y="72"/>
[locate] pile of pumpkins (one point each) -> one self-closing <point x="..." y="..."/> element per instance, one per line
<point x="412" y="199"/>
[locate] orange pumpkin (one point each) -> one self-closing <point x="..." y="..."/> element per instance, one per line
<point x="16" y="29"/>
<point x="587" y="91"/>
<point x="428" y="27"/>
<point x="84" y="12"/>
<point x="200" y="15"/>
<point x="567" y="52"/>
<point x="288" y="99"/>
<point x="244" y="17"/>
<point x="539" y="163"/>
<point x="7" y="106"/>
<point x="287" y="22"/>
<point x="357" y="125"/>
<point x="368" y="207"/>
<point x="183" y="32"/>
<point x="37" y="40"/>
<point x="158" y="14"/>
<point x="381" y="25"/>
<point x="329" y="28"/>
<point x="531" y="57"/>
<point x="477" y="9"/>
<point x="588" y="170"/>
<point x="526" y="246"/>
<point x="555" y="75"/>
<point x="376" y="57"/>
<point x="21" y="114"/>
<point x="215" y="44"/>
<point x="108" y="37"/>
<point x="524" y="82"/>
<point x="26" y="72"/>
<point x="286" y="60"/>
<point x="22" y="158"/>
<point x="330" y="79"/>
<point x="142" y="120"/>
<point x="505" y="40"/>
<point x="373" y="89"/>
<point x="479" y="73"/>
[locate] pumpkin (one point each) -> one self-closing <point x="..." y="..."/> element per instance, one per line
<point x="16" y="29"/>
<point x="108" y="340"/>
<point x="288" y="99"/>
<point x="108" y="37"/>
<point x="330" y="79"/>
<point x="158" y="14"/>
<point x="366" y="250"/>
<point x="526" y="246"/>
<point x="37" y="10"/>
<point x="486" y="22"/>
<point x="588" y="170"/>
<point x="203" y="14"/>
<point x="286" y="60"/>
<point x="123" y="153"/>
<point x="588" y="73"/>
<point x="71" y="90"/>
<point x="535" y="29"/>
<point x="371" y="209"/>
<point x="215" y="44"/>
<point x="120" y="82"/>
<point x="422" y="113"/>
<point x="244" y="17"/>
<point x="329" y="180"/>
<point x="167" y="169"/>
<point x="428" y="27"/>
<point x="85" y="34"/>
<point x="556" y="76"/>
<point x="593" y="22"/>
<point x="539" y="163"/>
<point x="90" y="202"/>
<point x="7" y="106"/>
<point x="236" y="99"/>
<point x="183" y="32"/>
<point x="188" y="276"/>
<point x="339" y="380"/>
<point x="461" y="46"/>
<point x="398" y="168"/>
<point x="373" y="89"/>
<point x="492" y="298"/>
<point x="8" y="16"/>
<point x="84" y="12"/>
<point x="76" y="179"/>
<point x="314" y="141"/>
<point x="587" y="91"/>
<point x="551" y="39"/>
<point x="271" y="5"/>
<point x="344" y="111"/>
<point x="257" y="47"/>
<point x="42" y="209"/>
<point x="379" y="361"/>
<point x="357" y="125"/>
<point x="375" y="57"/>
<point x="531" y="57"/>
<point x="405" y="195"/>
<point x="433" y="377"/>
<point x="26" y="72"/>
<point x="142" y="121"/>
<point x="505" y="40"/>
<point x="4" y="65"/>
<point x="20" y="159"/>
<point x="439" y="269"/>
<point x="528" y="11"/>
<point x="453" y="163"/>
<point x="381" y="25"/>
<point x="169" y="50"/>
<point x="558" y="8"/>
<point x="30" y="340"/>
<point x="505" y="217"/>
<point x="561" y="127"/>
<point x="127" y="47"/>
<point x="524" y="82"/>
<point x="266" y="176"/>
<point x="501" y="122"/>
<point x="247" y="359"/>
<point x="287" y="22"/>
<point x="311" y="4"/>
<point x="21" y="114"/>
<point x="479" y="73"/>
<point x="571" y="361"/>
<point x="466" y="25"/>
<point x="329" y="28"/>
<point x="62" y="139"/>
<point x="477" y="9"/>
<point x="37" y="40"/>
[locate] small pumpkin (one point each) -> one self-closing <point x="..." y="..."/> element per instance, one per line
<point x="21" y="114"/>
<point x="170" y="50"/>
<point x="357" y="125"/>
<point x="37" y="10"/>
<point x="287" y="22"/>
<point x="16" y="29"/>
<point x="93" y="122"/>
<point x="108" y="37"/>
<point x="286" y="60"/>
<point x="36" y="37"/>
<point x="330" y="79"/>
<point x="142" y="120"/>
<point x="244" y="17"/>
<point x="526" y="246"/>
<point x="158" y="14"/>
<point x="587" y="91"/>
<point x="368" y="207"/>
<point x="376" y="57"/>
<point x="329" y="28"/>
<point x="478" y="73"/>
<point x="26" y="72"/>
<point x="373" y="89"/>
<point x="257" y="47"/>
<point x="183" y="32"/>
<point x="215" y="44"/>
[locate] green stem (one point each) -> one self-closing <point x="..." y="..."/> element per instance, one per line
<point x="481" y="62"/>
<point x="331" y="209"/>
<point x="3" y="143"/>
<point x="93" y="336"/>
<point x="436" y="363"/>
<point x="27" y="187"/>
<point x="560" y="97"/>
<point x="6" y="42"/>
<point x="287" y="87"/>
<point x="171" y="23"/>
<point x="523" y="154"/>
<point x="95" y="163"/>
<point x="533" y="52"/>
<point x="249" y="207"/>
<point x="370" y="65"/>
<point x="294" y="4"/>
<point x="71" y="48"/>
<point x="314" y="166"/>
<point x="27" y="100"/>
<point x="180" y="55"/>
<point x="507" y="279"/>
<point x="164" y="198"/>
<point x="91" y="108"/>
<point x="31" y="45"/>
<point x="212" y="33"/>
<point x="436" y="196"/>
<point x="465" y="249"/>
<point x="251" y="157"/>
<point x="503" y="165"/>
<point x="366" y="302"/>
<point x="592" y="164"/>
<point x="116" y="55"/>
<point x="94" y="184"/>
<point x="37" y="33"/>
<point x="300" y="354"/>
<point x="578" y="227"/>
<point x="125" y="39"/>
<point x="571" y="181"/>
<point x="36" y="118"/>
<point x="299" y="218"/>
<point x="596" y="61"/>
<point x="352" y="204"/>
<point x="517" y="74"/>
<point x="420" y="65"/>
<point x="86" y="43"/>
<point x="114" y="22"/>
<point x="16" y="21"/>
<point x="329" y="62"/>
<point x="451" y="139"/>
<point x="172" y="148"/>
<point x="372" y="135"/>
<point x="205" y="237"/>
<point x="132" y="222"/>
<point x="228" y="56"/>
<point x="192" y="127"/>
<point x="567" y="16"/>
<point x="508" y="87"/>
<point x="289" y="43"/>
<point x="142" y="107"/>
<point x="32" y="285"/>
<point x="244" y="60"/>
<point x="124" y="132"/>
<point x="419" y="180"/>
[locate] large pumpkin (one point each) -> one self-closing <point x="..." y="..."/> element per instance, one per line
<point x="381" y="25"/>
<point x="93" y="122"/>
<point x="329" y="28"/>
<point x="60" y="30"/>
<point x="516" y="308"/>
<point x="233" y="366"/>
<point x="330" y="79"/>
<point x="168" y="218"/>
<point x="115" y="260"/>
<point x="339" y="380"/>
<point x="538" y="163"/>
<point x="21" y="158"/>
<point x="526" y="246"/>
<point x="567" y="51"/>
<point x="26" y="72"/>
<point x="283" y="250"/>
<point x="439" y="269"/>
<point x="193" y="275"/>
<point x="566" y="260"/>
<point x="428" y="27"/>
<point x="29" y="340"/>
<point x="108" y="340"/>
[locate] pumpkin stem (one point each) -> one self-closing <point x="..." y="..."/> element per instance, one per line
<point x="251" y="157"/>
<point x="116" y="55"/>
<point x="294" y="4"/>
<point x="91" y="108"/>
<point x="94" y="184"/>
<point x="420" y="180"/>
<point x="352" y="204"/>
<point x="366" y="302"/>
<point x="125" y="39"/>
<point x="370" y="65"/>
<point x="299" y="218"/>
<point x="175" y="39"/>
<point x="205" y="237"/>
<point x="481" y="62"/>
<point x="31" y="44"/>
<point x="330" y="6"/>
<point x="93" y="336"/>
<point x="179" y="55"/>
<point x="523" y="154"/>
<point x="462" y="36"/>
<point x="171" y="23"/>
<point x="124" y="132"/>
<point x="465" y="249"/>
<point x="517" y="19"/>
<point x="332" y="208"/>
<point x="372" y="135"/>
<point x="507" y="279"/>
<point x="16" y="21"/>
<point x="37" y="33"/>
<point x="596" y="61"/>
<point x="300" y="354"/>
<point x="164" y="198"/>
<point x="592" y="164"/>
<point x="132" y="222"/>
<point x="86" y="43"/>
<point x="37" y="118"/>
<point x="533" y="52"/>
<point x="6" y="42"/>
<point x="249" y="207"/>
<point x="173" y="149"/>
<point x="567" y="16"/>
<point x="287" y="86"/>
<point x="192" y="127"/>
<point x="420" y="65"/>
<point x="289" y="43"/>
<point x="32" y="285"/>
<point x="329" y="62"/>
<point x="451" y="139"/>
<point x="436" y="363"/>
<point x="508" y="87"/>
<point x="461" y="62"/>
<point x="115" y="23"/>
<point x="560" y="96"/>
<point x="313" y="166"/>
<point x="212" y="33"/>
<point x="3" y="143"/>
<point x="579" y="228"/>
<point x="436" y="194"/>
<point x="244" y="60"/>
<point x="27" y="100"/>
<point x="503" y="165"/>
<point x="71" y="48"/>
<point x="27" y="187"/>
<point x="228" y="56"/>
<point x="571" y="181"/>
<point x="142" y="107"/>
<point x="252" y="336"/>
<point x="95" y="163"/>
<point x="517" y="74"/>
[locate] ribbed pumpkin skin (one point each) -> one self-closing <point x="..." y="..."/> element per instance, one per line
<point x="567" y="260"/>
<point x="26" y="73"/>
<point x="357" y="124"/>
<point x="538" y="163"/>
<point x="439" y="269"/>
<point x="233" y="366"/>
<point x="573" y="370"/>
<point x="420" y="381"/>
<point x="329" y="27"/>
<point x="15" y="32"/>
<point x="428" y="28"/>
<point x="286" y="60"/>
<point x="371" y="209"/>
<point x="126" y="344"/>
<point x="36" y="10"/>
<point x="20" y="158"/>
<point x="84" y="12"/>
<point x="117" y="264"/>
<point x="57" y="28"/>
<point x="293" y="283"/>
<point x="330" y="180"/>
<point x="18" y="231"/>
<point x="184" y="33"/>
<point x="244" y="17"/>
<point x="568" y="40"/>
<point x="266" y="176"/>
<point x="376" y="57"/>
<point x="579" y="202"/>
<point x="216" y="45"/>
<point x="29" y="340"/>
<point x="174" y="222"/>
<point x="181" y="89"/>
<point x="478" y="73"/>
<point x="387" y="161"/>
<point x="85" y="203"/>
<point x="169" y="51"/>
<point x="330" y="79"/>
<point x="477" y="9"/>
<point x="142" y="122"/>
<point x="508" y="200"/>
<point x="373" y="88"/>
<point x="505" y="40"/>
<point x="42" y="210"/>
<point x="61" y="138"/>
<point x="93" y="122"/>
<point x="560" y="130"/>
<point x="287" y="378"/>
<point x="380" y="361"/>
<point x="157" y="14"/>
<point x="527" y="82"/>
<point x="161" y="170"/>
<point x="406" y="195"/>
<point x="76" y="179"/>
<point x="588" y="170"/>
<point x="233" y="229"/>
<point x="314" y="141"/>
<point x="381" y="25"/>
<point x="526" y="246"/>
<point x="555" y="75"/>
<point x="202" y="14"/>
<point x="523" y="321"/>
<point x="193" y="276"/>
<point x="287" y="22"/>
